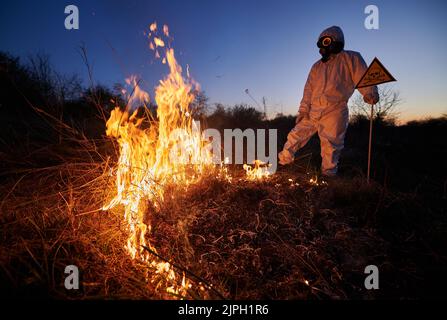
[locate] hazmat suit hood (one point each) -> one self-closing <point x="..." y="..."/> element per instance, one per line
<point x="337" y="44"/>
<point x="334" y="32"/>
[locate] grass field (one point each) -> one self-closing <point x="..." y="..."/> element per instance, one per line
<point x="281" y="238"/>
<point x="284" y="237"/>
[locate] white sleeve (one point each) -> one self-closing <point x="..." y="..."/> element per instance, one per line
<point x="307" y="94"/>
<point x="358" y="69"/>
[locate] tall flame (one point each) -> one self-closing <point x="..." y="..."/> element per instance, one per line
<point x="150" y="158"/>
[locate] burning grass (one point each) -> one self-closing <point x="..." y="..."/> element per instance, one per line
<point x="139" y="225"/>
<point x="265" y="240"/>
<point x="51" y="218"/>
<point x="279" y="238"/>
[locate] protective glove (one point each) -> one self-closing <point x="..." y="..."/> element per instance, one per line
<point x="285" y="157"/>
<point x="301" y="116"/>
<point x="371" y="98"/>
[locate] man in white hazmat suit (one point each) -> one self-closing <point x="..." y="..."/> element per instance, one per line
<point x="323" y="109"/>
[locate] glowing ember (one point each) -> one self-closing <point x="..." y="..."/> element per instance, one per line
<point x="170" y="151"/>
<point x="166" y="30"/>
<point x="158" y="42"/>
<point x="317" y="182"/>
<point x="258" y="171"/>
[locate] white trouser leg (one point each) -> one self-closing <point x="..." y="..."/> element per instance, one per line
<point x="300" y="135"/>
<point x="331" y="130"/>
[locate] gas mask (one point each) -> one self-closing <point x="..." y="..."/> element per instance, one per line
<point x="328" y="46"/>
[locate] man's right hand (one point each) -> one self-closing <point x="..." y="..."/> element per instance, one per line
<point x="285" y="157"/>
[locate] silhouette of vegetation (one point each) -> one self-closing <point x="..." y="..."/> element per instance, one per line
<point x="386" y="110"/>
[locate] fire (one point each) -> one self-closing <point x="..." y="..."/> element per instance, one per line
<point x="258" y="171"/>
<point x="317" y="181"/>
<point x="168" y="151"/>
<point x="158" y="42"/>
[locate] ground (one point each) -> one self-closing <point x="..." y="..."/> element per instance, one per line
<point x="280" y="238"/>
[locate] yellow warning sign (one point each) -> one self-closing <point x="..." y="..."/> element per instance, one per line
<point x="375" y="74"/>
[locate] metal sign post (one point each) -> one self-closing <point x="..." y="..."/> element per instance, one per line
<point x="374" y="75"/>
<point x="371" y="117"/>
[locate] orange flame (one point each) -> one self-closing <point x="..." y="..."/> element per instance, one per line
<point x="158" y="42"/>
<point x="150" y="158"/>
<point x="258" y="171"/>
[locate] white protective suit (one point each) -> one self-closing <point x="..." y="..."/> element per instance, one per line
<point x="324" y="109"/>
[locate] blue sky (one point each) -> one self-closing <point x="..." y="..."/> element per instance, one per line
<point x="265" y="46"/>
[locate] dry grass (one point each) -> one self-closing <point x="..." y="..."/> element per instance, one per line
<point x="266" y="240"/>
<point x="51" y="218"/>
<point x="273" y="239"/>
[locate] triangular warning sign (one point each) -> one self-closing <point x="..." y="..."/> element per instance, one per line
<point x="375" y="74"/>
